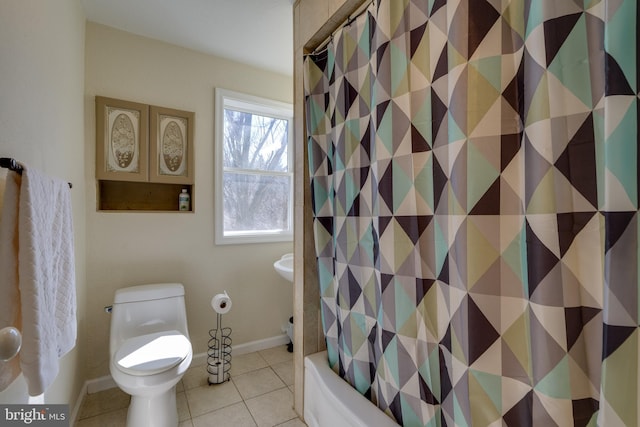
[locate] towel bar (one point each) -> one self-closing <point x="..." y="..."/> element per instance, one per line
<point x="12" y="164"/>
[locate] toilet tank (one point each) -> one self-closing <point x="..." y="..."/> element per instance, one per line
<point x="145" y="309"/>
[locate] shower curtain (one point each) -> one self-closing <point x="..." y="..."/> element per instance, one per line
<point x="474" y="179"/>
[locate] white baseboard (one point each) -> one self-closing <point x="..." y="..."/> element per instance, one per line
<point x="76" y="408"/>
<point x="263" y="344"/>
<point x="99" y="384"/>
<point x="104" y="383"/>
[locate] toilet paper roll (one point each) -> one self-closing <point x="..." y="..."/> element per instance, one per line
<point x="221" y="303"/>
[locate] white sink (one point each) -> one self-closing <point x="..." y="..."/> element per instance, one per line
<point x="284" y="266"/>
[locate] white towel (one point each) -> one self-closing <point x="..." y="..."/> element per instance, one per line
<point x="9" y="293"/>
<point x="46" y="273"/>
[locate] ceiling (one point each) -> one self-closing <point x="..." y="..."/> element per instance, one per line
<point x="254" y="32"/>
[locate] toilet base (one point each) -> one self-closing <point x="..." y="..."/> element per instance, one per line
<point x="156" y="411"/>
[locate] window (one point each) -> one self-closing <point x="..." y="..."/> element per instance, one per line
<point x="254" y="170"/>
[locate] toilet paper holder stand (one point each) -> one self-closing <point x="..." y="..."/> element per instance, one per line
<point x="219" y="353"/>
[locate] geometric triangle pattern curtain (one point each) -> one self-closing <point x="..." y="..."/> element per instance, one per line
<point x="474" y="178"/>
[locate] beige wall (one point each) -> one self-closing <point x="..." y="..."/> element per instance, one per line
<point x="313" y="22"/>
<point x="124" y="249"/>
<point x="42" y="125"/>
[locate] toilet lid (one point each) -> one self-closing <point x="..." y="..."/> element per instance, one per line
<point x="152" y="353"/>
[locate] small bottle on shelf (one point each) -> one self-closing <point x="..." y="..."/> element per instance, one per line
<point x="184" y="200"/>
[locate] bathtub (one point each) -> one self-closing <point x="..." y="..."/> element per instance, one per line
<point x="329" y="401"/>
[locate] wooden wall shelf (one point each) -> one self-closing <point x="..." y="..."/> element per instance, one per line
<point x="137" y="174"/>
<point x="141" y="196"/>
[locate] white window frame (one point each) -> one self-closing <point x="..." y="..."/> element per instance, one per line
<point x="251" y="104"/>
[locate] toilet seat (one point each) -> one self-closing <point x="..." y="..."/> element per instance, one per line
<point x="152" y="353"/>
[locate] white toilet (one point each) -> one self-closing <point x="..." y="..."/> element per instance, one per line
<point x="149" y="350"/>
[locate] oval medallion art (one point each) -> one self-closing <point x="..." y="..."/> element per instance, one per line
<point x="173" y="146"/>
<point x="123" y="144"/>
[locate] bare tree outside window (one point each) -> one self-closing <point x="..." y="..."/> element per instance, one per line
<point x="254" y="174"/>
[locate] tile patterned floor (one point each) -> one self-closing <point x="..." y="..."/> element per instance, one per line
<point x="260" y="393"/>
